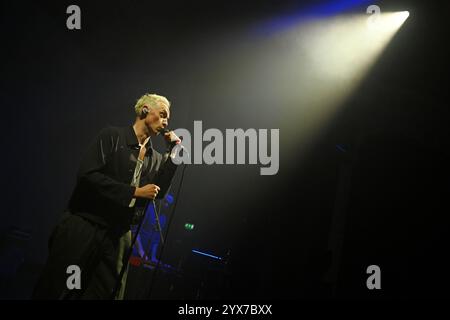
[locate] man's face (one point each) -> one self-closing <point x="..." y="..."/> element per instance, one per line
<point x="157" y="118"/>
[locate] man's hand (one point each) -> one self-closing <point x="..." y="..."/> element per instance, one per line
<point x="149" y="191"/>
<point x="171" y="137"/>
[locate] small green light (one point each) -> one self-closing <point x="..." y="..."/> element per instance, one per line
<point x="189" y="226"/>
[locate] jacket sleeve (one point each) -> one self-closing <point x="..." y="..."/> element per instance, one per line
<point x="92" y="170"/>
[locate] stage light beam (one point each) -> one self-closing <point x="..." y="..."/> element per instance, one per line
<point x="322" y="64"/>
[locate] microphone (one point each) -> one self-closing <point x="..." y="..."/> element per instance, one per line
<point x="174" y="139"/>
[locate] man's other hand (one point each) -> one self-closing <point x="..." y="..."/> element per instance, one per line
<point x="149" y="191"/>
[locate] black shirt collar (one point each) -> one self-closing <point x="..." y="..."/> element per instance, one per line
<point x="132" y="140"/>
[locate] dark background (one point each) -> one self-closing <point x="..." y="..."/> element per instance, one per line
<point x="379" y="169"/>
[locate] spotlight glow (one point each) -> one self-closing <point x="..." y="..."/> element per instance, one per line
<point x="325" y="62"/>
<point x="307" y="71"/>
<point x="389" y="21"/>
<point x="405" y="15"/>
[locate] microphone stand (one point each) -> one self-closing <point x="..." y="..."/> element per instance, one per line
<point x="158" y="223"/>
<point x="129" y="252"/>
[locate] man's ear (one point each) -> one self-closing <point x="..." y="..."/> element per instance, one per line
<point x="144" y="112"/>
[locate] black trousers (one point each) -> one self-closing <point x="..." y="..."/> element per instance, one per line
<point x="99" y="253"/>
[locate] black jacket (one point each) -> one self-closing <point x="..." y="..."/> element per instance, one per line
<point x="103" y="190"/>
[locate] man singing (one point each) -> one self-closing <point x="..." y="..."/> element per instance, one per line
<point x="115" y="180"/>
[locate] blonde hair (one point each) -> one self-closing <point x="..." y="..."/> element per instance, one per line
<point x="151" y="100"/>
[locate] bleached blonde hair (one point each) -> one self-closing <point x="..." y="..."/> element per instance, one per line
<point x="150" y="100"/>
